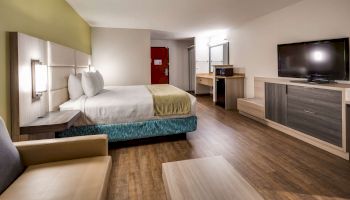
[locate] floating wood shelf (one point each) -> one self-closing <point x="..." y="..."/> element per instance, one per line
<point x="52" y="122"/>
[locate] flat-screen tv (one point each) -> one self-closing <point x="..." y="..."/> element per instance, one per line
<point x="325" y="58"/>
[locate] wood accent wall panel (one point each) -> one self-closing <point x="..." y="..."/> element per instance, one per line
<point x="15" y="130"/>
<point x="58" y="86"/>
<point x="79" y="70"/>
<point x="59" y="55"/>
<point x="58" y="77"/>
<point x="24" y="48"/>
<point x="30" y="48"/>
<point x="276" y="102"/>
<point x="82" y="59"/>
<point x="57" y="97"/>
<point x="61" y="60"/>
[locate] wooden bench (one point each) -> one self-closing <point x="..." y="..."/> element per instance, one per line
<point x="252" y="106"/>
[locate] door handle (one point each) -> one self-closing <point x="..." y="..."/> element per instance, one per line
<point x="166" y="72"/>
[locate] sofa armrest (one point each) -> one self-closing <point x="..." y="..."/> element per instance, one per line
<point x="52" y="150"/>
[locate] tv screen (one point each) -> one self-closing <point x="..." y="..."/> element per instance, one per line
<point x="328" y="58"/>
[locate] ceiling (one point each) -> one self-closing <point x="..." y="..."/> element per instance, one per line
<point x="174" y="18"/>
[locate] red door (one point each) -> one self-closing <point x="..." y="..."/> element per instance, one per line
<point x="159" y="65"/>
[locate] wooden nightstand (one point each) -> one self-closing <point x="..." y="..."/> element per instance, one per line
<point x="47" y="126"/>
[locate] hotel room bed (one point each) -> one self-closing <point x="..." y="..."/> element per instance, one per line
<point x="126" y="113"/>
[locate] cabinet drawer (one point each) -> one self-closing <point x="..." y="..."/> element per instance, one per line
<point x="322" y="127"/>
<point x="205" y="81"/>
<point x="322" y="102"/>
<point x="316" y="112"/>
<point x="322" y="97"/>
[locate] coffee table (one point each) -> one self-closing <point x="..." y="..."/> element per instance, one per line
<point x="205" y="178"/>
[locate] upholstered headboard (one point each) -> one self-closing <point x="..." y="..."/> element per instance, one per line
<point x="63" y="61"/>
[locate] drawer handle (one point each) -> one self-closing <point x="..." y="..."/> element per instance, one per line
<point x="309" y="112"/>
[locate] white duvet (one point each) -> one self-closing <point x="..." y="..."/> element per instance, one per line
<point x="118" y="104"/>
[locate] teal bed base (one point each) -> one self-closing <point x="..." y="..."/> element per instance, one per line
<point x="135" y="130"/>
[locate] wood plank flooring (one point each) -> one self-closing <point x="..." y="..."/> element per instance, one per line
<point x="276" y="165"/>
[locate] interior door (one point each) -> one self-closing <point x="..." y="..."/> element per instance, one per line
<point x="159" y="65"/>
<point x="192" y="68"/>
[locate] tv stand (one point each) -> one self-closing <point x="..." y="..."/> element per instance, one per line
<point x="319" y="79"/>
<point x="314" y="81"/>
<point x="314" y="113"/>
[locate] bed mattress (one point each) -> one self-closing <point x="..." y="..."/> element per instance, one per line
<point x="119" y="104"/>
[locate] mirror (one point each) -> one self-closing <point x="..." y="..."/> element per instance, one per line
<point x="218" y="55"/>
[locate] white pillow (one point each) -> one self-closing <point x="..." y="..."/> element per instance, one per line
<point x="75" y="89"/>
<point x="100" y="79"/>
<point x="92" y="83"/>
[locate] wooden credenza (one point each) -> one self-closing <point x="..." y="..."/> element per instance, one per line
<point x="316" y="114"/>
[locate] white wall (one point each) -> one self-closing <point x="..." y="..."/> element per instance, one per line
<point x="254" y="46"/>
<point x="202" y="54"/>
<point x="178" y="61"/>
<point x="202" y="62"/>
<point x="122" y="55"/>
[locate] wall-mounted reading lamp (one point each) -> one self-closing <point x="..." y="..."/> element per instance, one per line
<point x="39" y="79"/>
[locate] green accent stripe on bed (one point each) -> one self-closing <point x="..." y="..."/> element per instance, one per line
<point x="169" y="100"/>
<point x="135" y="130"/>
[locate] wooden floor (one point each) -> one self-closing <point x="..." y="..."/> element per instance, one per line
<point x="276" y="165"/>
